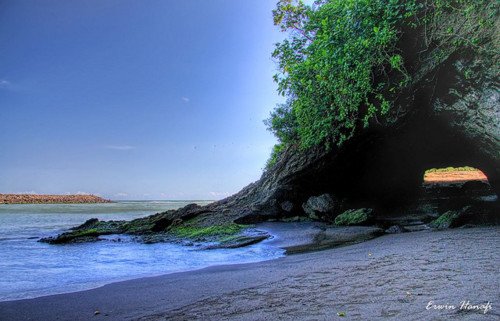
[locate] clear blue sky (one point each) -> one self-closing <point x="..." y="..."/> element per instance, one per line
<point x="135" y="99"/>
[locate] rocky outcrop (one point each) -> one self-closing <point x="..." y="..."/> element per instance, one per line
<point x="313" y="236"/>
<point x="166" y="227"/>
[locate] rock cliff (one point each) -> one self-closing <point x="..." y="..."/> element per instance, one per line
<point x="448" y="116"/>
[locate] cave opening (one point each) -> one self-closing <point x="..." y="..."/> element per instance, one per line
<point x="462" y="189"/>
<point x="457" y="185"/>
<point x="393" y="170"/>
<point x="450" y="175"/>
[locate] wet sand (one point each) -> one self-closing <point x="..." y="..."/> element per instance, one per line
<point x="391" y="277"/>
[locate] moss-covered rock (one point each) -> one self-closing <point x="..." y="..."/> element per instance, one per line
<point x="206" y="232"/>
<point x="88" y="232"/>
<point x="162" y="228"/>
<point x="359" y="216"/>
<point x="445" y="220"/>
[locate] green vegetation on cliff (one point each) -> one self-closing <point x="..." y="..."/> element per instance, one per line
<point x="341" y="69"/>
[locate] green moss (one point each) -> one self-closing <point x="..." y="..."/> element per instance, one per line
<point x="71" y="236"/>
<point x="353" y="217"/>
<point x="189" y="231"/>
<point x="89" y="232"/>
<point x="138" y="228"/>
<point x="275" y="154"/>
<point x="229" y="238"/>
<point x="104" y="228"/>
<point x="445" y="220"/>
<point x="140" y="225"/>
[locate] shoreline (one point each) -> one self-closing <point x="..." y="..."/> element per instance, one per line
<point x="423" y="266"/>
<point x="52" y="199"/>
<point x="289" y="237"/>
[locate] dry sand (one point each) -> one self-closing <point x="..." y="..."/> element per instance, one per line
<point x="391" y="277"/>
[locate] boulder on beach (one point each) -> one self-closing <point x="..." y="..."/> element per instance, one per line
<point x="320" y="207"/>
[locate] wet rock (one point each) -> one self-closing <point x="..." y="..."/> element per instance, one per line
<point x="238" y="241"/>
<point x="480" y="213"/>
<point x="90" y="223"/>
<point x="446" y="220"/>
<point x="395" y="229"/>
<point x="320" y="207"/>
<point x="161" y="225"/>
<point x="155" y="238"/>
<point x="176" y="222"/>
<point x="361" y="216"/>
<point x="312" y="236"/>
<point x="294" y="219"/>
<point x="287" y="206"/>
<point x="416" y="227"/>
<point x="69" y="239"/>
<point x="87" y="232"/>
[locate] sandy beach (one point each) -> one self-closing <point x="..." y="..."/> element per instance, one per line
<point x="250" y="160"/>
<point x="390" y="277"/>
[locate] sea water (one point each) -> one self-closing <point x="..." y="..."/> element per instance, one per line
<point x="30" y="269"/>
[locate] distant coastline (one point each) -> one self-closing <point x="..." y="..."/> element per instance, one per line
<point x="50" y="199"/>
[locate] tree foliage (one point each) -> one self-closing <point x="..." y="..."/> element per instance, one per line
<point x="328" y="64"/>
<point x="340" y="68"/>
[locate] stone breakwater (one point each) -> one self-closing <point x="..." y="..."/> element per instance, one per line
<point x="49" y="199"/>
